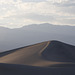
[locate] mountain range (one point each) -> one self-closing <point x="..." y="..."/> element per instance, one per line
<point x="35" y="33"/>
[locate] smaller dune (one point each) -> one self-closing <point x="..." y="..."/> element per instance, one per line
<point x="14" y="69"/>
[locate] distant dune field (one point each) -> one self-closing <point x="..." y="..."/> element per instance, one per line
<point x="46" y="58"/>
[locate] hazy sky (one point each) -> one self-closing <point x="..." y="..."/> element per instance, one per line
<point x="17" y="13"/>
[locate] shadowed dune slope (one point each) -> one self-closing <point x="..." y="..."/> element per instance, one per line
<point x="42" y="54"/>
<point x="12" y="69"/>
<point x="58" y="51"/>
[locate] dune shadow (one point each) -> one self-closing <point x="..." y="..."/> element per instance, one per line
<point x="62" y="65"/>
<point x="59" y="52"/>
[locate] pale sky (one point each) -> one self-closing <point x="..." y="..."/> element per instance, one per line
<point x="17" y="13"/>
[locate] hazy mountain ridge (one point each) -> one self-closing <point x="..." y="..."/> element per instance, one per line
<point x="27" y="35"/>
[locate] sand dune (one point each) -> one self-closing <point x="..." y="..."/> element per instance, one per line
<point x="12" y="69"/>
<point x="43" y="58"/>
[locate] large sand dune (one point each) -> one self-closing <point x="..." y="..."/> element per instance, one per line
<point x="46" y="58"/>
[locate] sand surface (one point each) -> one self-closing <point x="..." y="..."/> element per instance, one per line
<point x="46" y="58"/>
